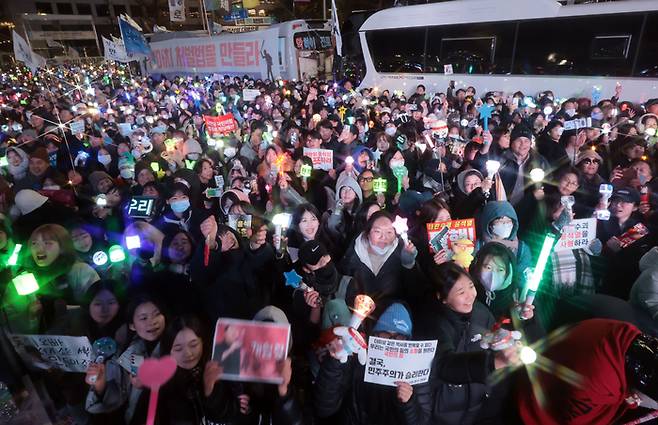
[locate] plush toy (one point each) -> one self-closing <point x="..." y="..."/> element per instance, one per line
<point x="498" y="338"/>
<point x="463" y="252"/>
<point x="352" y="342"/>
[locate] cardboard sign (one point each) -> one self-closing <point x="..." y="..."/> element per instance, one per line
<point x="442" y="235"/>
<point x="77" y="127"/>
<point x="250" y="94"/>
<point x="323" y="159"/>
<point x="219" y="126"/>
<point x="577" y="235"/>
<point x="251" y="351"/>
<point x="390" y="360"/>
<point x="447" y="69"/>
<point x="67" y="353"/>
<point x="241" y="223"/>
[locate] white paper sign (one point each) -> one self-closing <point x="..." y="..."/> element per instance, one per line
<point x="447" y="69"/>
<point x="125" y="128"/>
<point x="578" y="123"/>
<point x="67" y="353"/>
<point x="77" y="127"/>
<point x="390" y="360"/>
<point x="577" y="235"/>
<point x="250" y="94"/>
<point x="323" y="159"/>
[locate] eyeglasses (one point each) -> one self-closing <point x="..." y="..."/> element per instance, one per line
<point x="366" y="179"/>
<point x="571" y="183"/>
<point x="591" y="161"/>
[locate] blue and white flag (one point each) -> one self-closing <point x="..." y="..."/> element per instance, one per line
<point x="133" y="40"/>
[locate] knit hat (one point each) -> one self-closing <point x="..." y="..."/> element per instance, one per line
<point x="28" y="200"/>
<point x="335" y="313"/>
<point x="588" y="154"/>
<point x="411" y="201"/>
<point x="311" y="252"/>
<point x="521" y="131"/>
<point x="395" y="319"/>
<point x="96" y="177"/>
<point x="191" y="146"/>
<point x="41" y="153"/>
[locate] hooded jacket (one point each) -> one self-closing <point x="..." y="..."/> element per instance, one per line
<point x="467" y="205"/>
<point x="19" y="171"/>
<point x="644" y="293"/>
<point x="496" y="209"/>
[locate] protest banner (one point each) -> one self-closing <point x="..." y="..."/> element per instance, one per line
<point x="219" y="126"/>
<point x="241" y="223"/>
<point x="323" y="159"/>
<point x="443" y="234"/>
<point x="391" y="360"/>
<point x="249" y="95"/>
<point x="67" y="353"/>
<point x="577" y="235"/>
<point x="251" y="351"/>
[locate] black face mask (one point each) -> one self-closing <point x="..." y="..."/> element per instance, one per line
<point x="642" y="365"/>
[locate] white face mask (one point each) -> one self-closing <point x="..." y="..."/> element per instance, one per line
<point x="502" y="230"/>
<point x="286" y="104"/>
<point x="570" y="112"/>
<point x="230" y="152"/>
<point x="390" y="131"/>
<point x="127" y="173"/>
<point x="377" y="250"/>
<point x="492" y="281"/>
<point x="52" y="187"/>
<point x="650" y="131"/>
<point x="136" y="153"/>
<point x="396" y="163"/>
<point x="104" y="159"/>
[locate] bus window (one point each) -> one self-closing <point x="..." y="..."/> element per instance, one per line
<point x="646" y="62"/>
<point x="484" y="48"/>
<point x="397" y="50"/>
<point x="611" y="46"/>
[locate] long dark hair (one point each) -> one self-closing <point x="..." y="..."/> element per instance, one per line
<point x="193" y="323"/>
<point x="444" y="277"/>
<point x="94" y="331"/>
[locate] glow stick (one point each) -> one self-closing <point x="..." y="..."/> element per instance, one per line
<point x="13" y="258"/>
<point x="116" y="254"/>
<point x="25" y="284"/>
<point x="535" y="279"/>
<point x="281" y="221"/>
<point x="363" y="306"/>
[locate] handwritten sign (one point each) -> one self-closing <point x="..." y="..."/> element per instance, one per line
<point x="323" y="159"/>
<point x="251" y="351"/>
<point x="577" y="235"/>
<point x="250" y="94"/>
<point x="221" y="125"/>
<point x="77" y="127"/>
<point x="442" y="235"/>
<point x="67" y="353"/>
<point x="390" y="360"/>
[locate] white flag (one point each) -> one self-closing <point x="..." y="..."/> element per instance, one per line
<point x="23" y="53"/>
<point x="177" y="10"/>
<point x="114" y="52"/>
<point x="335" y="29"/>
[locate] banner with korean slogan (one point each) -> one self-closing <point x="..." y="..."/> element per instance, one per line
<point x="67" y="353"/>
<point x="442" y="235"/>
<point x="250" y="94"/>
<point x="114" y="51"/>
<point x="323" y="159"/>
<point x="221" y="125"/>
<point x="578" y="234"/>
<point x="253" y="53"/>
<point x="391" y="360"/>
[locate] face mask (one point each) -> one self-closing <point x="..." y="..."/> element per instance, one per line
<point x="104" y="159"/>
<point x="396" y="163"/>
<point x="570" y="112"/>
<point x="502" y="230"/>
<point x="183" y="105"/>
<point x="377" y="250"/>
<point x="642" y="178"/>
<point x="492" y="281"/>
<point x="180" y="206"/>
<point x="139" y="121"/>
<point x="51" y="187"/>
<point x="230" y="152"/>
<point x="127" y="173"/>
<point x="193" y="156"/>
<point x="597" y="116"/>
<point x="650" y="131"/>
<point x="136" y="153"/>
<point x="17" y="127"/>
<point x="286" y="104"/>
<point x="390" y="131"/>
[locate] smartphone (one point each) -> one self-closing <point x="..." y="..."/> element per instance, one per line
<point x="213" y="192"/>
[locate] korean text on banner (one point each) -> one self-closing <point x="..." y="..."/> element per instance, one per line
<point x="391" y="360"/>
<point x="323" y="159"/>
<point x="442" y="235"/>
<point x="577" y="235"/>
<point x="221" y="125"/>
<point x="114" y="51"/>
<point x="251" y="351"/>
<point x="67" y="353"/>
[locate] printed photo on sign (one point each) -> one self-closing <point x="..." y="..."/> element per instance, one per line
<point x="66" y="353"/>
<point x="251" y="351"/>
<point x="323" y="159"/>
<point x="392" y="360"/>
<point x="445" y="234"/>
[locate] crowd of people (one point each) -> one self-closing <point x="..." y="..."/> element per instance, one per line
<point x="94" y="159"/>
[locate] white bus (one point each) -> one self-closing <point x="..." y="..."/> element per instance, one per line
<point x="297" y="49"/>
<point x="510" y="45"/>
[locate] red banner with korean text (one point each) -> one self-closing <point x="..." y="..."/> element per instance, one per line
<point x="219" y="126"/>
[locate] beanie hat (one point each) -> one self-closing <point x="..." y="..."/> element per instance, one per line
<point x="41" y="153"/>
<point x="335" y="313"/>
<point x="521" y="131"/>
<point x="191" y="146"/>
<point x="96" y="177"/>
<point x="395" y="319"/>
<point x="28" y="200"/>
<point x="310" y="252"/>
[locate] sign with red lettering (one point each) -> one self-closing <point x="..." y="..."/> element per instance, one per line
<point x="577" y="235"/>
<point x="443" y="234"/>
<point x="391" y="360"/>
<point x="323" y="159"/>
<point x="221" y="125"/>
<point x="251" y="351"/>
